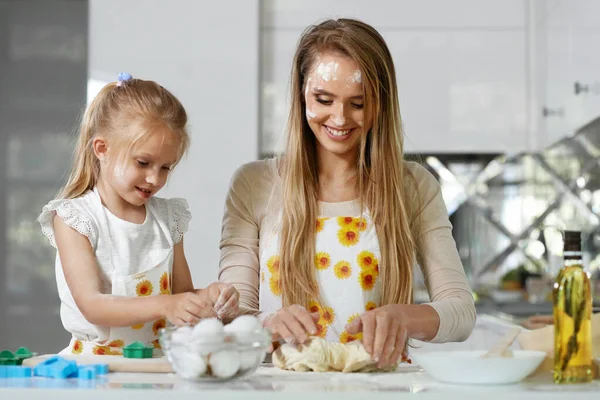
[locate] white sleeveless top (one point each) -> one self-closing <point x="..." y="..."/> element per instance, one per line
<point x="131" y="245"/>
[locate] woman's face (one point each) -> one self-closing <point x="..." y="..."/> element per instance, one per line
<point x="334" y="98"/>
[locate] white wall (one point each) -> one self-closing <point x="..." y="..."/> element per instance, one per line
<point x="206" y="53"/>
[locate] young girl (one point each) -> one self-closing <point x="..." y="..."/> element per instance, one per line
<point x="120" y="268"/>
<point x="331" y="230"/>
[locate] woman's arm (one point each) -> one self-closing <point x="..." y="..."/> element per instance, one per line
<point x="438" y="258"/>
<point x="239" y="264"/>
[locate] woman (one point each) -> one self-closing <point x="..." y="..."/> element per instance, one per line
<point x="322" y="241"/>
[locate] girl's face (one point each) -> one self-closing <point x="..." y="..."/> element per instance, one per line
<point x="334" y="98"/>
<point x="145" y="169"/>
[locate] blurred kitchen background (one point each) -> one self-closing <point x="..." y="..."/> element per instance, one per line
<point x="499" y="100"/>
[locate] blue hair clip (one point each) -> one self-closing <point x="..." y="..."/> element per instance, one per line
<point x="123" y="77"/>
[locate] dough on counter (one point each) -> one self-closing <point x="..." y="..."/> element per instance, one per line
<point x="319" y="355"/>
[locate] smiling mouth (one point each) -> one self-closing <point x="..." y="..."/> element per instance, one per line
<point x="338" y="132"/>
<point x="146" y="191"/>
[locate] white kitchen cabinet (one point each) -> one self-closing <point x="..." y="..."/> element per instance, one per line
<point x="569" y="67"/>
<point x="397" y="14"/>
<point x="461" y="68"/>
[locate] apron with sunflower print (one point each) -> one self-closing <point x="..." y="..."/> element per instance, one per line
<point x="347" y="269"/>
<point x="151" y="279"/>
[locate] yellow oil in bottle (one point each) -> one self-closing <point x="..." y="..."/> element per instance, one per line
<point x="572" y="317"/>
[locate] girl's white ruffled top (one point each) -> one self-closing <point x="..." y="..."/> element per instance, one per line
<point x="132" y="248"/>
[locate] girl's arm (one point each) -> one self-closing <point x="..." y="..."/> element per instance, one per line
<point x="82" y="275"/>
<point x="220" y="299"/>
<point x="182" y="277"/>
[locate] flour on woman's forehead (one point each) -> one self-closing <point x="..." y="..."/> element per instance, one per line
<point x="333" y="67"/>
<point x="328" y="71"/>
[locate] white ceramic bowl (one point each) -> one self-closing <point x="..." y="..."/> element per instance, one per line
<point x="468" y="367"/>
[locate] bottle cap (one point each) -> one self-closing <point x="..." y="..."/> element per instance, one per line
<point x="572" y="237"/>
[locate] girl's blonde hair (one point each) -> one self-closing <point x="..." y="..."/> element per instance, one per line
<point x="382" y="173"/>
<point x="124" y="113"/>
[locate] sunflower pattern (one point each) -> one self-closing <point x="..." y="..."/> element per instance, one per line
<point x="346" y="337"/>
<point x="322" y="260"/>
<point x="366" y="260"/>
<point x="326" y="317"/>
<point x="273" y="265"/>
<point x="275" y="285"/>
<point x="342" y="270"/>
<point x="366" y="280"/>
<point x="320" y="224"/>
<point x="165" y="287"/>
<point x="158" y="325"/>
<point x="360" y="224"/>
<point x="104" y="351"/>
<point x="348" y="236"/>
<point x="321" y="330"/>
<point x="144" y="288"/>
<point x="369" y="265"/>
<point x="154" y="281"/>
<point x="346" y="263"/>
<point x="345" y="222"/>
<point x="314" y="307"/>
<point x="156" y="344"/>
<point x="77" y="347"/>
<point x="116" y="343"/>
<point x="274" y="281"/>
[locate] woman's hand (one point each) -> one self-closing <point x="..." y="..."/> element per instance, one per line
<point x="385" y="332"/>
<point x="292" y="323"/>
<point x="186" y="308"/>
<point x="538" y="321"/>
<point x="225" y="299"/>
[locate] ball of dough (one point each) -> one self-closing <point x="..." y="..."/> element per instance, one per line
<point x="320" y="355"/>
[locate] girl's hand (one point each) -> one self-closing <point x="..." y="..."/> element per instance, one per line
<point x="225" y="299"/>
<point x="292" y="323"/>
<point x="187" y="308"/>
<point x="384" y="332"/>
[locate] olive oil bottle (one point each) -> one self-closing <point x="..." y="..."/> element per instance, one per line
<point x="572" y="316"/>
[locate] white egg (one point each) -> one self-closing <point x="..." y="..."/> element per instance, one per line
<point x="189" y="365"/>
<point x="209" y="331"/>
<point x="224" y="364"/>
<point x="244" y="323"/>
<point x="208" y="325"/>
<point x="249" y="359"/>
<point x="243" y="328"/>
<point x="182" y="335"/>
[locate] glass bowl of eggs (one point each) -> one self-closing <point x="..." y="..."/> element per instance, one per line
<point x="211" y="351"/>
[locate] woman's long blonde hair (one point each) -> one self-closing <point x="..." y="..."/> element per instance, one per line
<point x="381" y="170"/>
<point x="124" y="114"/>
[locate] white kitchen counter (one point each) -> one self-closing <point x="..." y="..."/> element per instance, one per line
<point x="272" y="383"/>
